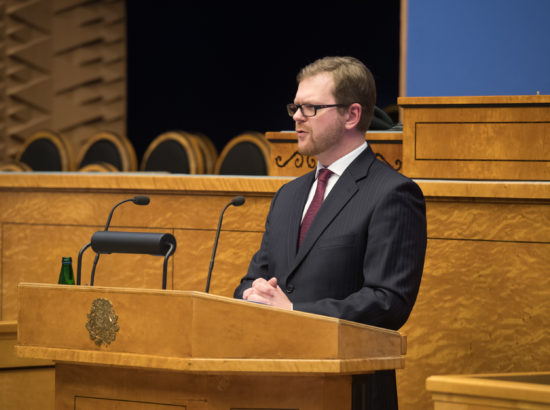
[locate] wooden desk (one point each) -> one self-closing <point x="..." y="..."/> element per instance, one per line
<point x="485" y="137"/>
<point x="24" y="383"/>
<point x="287" y="161"/>
<point x="485" y="278"/>
<point x="490" y="391"/>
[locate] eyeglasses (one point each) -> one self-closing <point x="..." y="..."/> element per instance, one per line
<point x="309" y="110"/>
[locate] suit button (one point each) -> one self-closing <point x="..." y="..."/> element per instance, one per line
<point x="289" y="288"/>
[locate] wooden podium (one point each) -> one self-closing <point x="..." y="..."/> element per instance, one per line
<point x="121" y="348"/>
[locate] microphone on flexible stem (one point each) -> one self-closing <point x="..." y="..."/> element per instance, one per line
<point x="138" y="200"/>
<point x="237" y="201"/>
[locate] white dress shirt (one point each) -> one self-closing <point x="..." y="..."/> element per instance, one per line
<point x="337" y="167"/>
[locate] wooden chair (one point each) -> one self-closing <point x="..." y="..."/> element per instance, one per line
<point x="208" y="150"/>
<point x="99" y="167"/>
<point x="108" y="147"/>
<point x="46" y="151"/>
<point x="14" y="166"/>
<point x="380" y="120"/>
<point x="177" y="152"/>
<point x="245" y="154"/>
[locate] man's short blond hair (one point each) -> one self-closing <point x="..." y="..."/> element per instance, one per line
<point x="353" y="83"/>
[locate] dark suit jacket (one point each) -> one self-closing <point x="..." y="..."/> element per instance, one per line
<point x="363" y="255"/>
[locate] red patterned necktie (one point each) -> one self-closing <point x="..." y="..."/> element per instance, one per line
<point x="322" y="179"/>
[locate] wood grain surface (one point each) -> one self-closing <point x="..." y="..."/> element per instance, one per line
<point x="490" y="391"/>
<point x="485" y="137"/>
<point x="91" y="387"/>
<point x="483" y="303"/>
<point x="287" y="161"/>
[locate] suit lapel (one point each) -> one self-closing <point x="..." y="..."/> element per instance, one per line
<point x="339" y="196"/>
<point x="302" y="192"/>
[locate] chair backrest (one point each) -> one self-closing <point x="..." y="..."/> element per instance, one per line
<point x="108" y="147"/>
<point x="14" y="166"/>
<point x="381" y="120"/>
<point x="46" y="151"/>
<point x="177" y="152"/>
<point x="208" y="151"/>
<point x="99" y="167"/>
<point x="245" y="154"/>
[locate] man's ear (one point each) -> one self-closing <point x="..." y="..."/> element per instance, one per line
<point x="354" y="115"/>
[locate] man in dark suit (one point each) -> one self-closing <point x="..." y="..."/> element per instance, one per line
<point x="347" y="242"/>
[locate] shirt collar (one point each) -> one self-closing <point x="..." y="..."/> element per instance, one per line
<point x="339" y="166"/>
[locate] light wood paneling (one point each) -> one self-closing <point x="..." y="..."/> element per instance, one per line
<point x="24" y="383"/>
<point x="226" y="353"/>
<point x="483" y="302"/>
<point x="194" y="332"/>
<point x="498" y="138"/>
<point x="388" y="147"/>
<point x="27" y="388"/>
<point x="49" y="216"/>
<point x="161" y="390"/>
<point x="287" y="161"/>
<point x="495" y="141"/>
<point x="231" y="263"/>
<point x="64" y="69"/>
<point x="141" y="271"/>
<point x="491" y="391"/>
<point x="403" y="23"/>
<point x="8" y="338"/>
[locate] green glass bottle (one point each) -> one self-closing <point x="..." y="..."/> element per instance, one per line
<point x="66" y="276"/>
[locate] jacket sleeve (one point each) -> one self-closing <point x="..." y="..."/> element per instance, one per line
<point x="259" y="266"/>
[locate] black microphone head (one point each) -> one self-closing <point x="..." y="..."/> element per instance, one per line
<point x="141" y="200"/>
<point x="238" y="200"/>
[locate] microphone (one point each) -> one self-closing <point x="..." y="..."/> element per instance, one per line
<point x="237" y="201"/>
<point x="138" y="200"/>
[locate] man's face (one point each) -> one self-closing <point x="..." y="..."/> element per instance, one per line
<point x="320" y="134"/>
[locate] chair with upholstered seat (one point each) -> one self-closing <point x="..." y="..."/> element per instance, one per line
<point x="14" y="166"/>
<point x="98" y="167"/>
<point x="46" y="151"/>
<point x="176" y="152"/>
<point x="381" y="120"/>
<point x="208" y="151"/>
<point x="245" y="154"/>
<point x="108" y="147"/>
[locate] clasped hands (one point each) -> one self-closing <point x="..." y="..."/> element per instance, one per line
<point x="267" y="292"/>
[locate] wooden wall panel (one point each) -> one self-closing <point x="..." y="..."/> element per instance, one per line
<point x="65" y="70"/>
<point x="26" y="51"/>
<point x="41" y="264"/>
<point x="484" y="299"/>
<point x="233" y="255"/>
<point x="28" y="389"/>
<point x="88" y="68"/>
<point x="483" y="303"/>
<point x="479" y="141"/>
<point x="491" y="391"/>
<point x="287" y="161"/>
<point x="485" y="137"/>
<point x="513" y="221"/>
<point x="56" y="215"/>
<point x="158" y="390"/>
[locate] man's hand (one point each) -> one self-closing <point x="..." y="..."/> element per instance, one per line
<point x="267" y="292"/>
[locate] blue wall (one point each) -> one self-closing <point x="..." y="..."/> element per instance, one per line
<point x="478" y="47"/>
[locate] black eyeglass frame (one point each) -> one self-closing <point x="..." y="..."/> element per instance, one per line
<point x="291" y="111"/>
